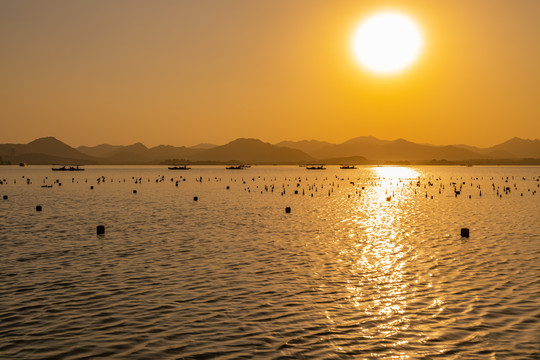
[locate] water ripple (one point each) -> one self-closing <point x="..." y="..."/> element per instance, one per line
<point x="370" y="266"/>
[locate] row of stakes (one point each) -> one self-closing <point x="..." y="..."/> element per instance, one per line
<point x="100" y="230"/>
<point x="457" y="188"/>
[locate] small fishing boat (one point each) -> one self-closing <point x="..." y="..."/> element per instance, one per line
<point x="235" y="167"/>
<point x="179" y="167"/>
<point x="315" y="167"/>
<point x="68" y="168"/>
<point x="347" y="167"/>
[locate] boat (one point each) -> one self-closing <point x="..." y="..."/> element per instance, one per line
<point x="69" y="168"/>
<point x="23" y="164"/>
<point x="315" y="167"/>
<point x="347" y="167"/>
<point x="179" y="167"/>
<point x="235" y="167"/>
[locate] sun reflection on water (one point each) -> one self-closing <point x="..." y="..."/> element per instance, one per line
<point x="392" y="180"/>
<point x="396" y="172"/>
<point x="382" y="257"/>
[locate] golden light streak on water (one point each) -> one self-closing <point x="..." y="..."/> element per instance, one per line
<point x="382" y="256"/>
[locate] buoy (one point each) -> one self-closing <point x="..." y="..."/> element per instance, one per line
<point x="287" y="210"/>
<point x="92" y="187"/>
<point x="134" y="191"/>
<point x="465" y="232"/>
<point x="5" y="197"/>
<point x="228" y="187"/>
<point x="195" y="198"/>
<point x="100" y="229"/>
<point x="38" y="208"/>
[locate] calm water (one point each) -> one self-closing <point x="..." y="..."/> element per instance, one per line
<point x="347" y="274"/>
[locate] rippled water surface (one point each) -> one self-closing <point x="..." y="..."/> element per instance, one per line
<point x="369" y="263"/>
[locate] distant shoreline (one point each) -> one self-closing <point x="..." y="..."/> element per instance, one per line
<point x="529" y="162"/>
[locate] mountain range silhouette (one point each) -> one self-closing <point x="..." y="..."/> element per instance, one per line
<point x="359" y="150"/>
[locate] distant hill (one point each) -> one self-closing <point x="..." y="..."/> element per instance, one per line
<point x="324" y="149"/>
<point x="488" y="152"/>
<point x="359" y="150"/>
<point x="173" y="152"/>
<point x="519" y="147"/>
<point x="384" y="150"/>
<point x="367" y="140"/>
<point x="253" y="151"/>
<point x="380" y="150"/>
<point x="241" y="150"/>
<point x="45" y="150"/>
<point x="103" y="150"/>
<point x="307" y="146"/>
<point x="138" y="153"/>
<point x="131" y="154"/>
<point x="510" y="149"/>
<point x="405" y="150"/>
<point x="202" y="146"/>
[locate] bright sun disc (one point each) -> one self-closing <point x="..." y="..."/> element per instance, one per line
<point x="387" y="43"/>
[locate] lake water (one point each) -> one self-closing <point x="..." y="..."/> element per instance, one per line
<point x="369" y="263"/>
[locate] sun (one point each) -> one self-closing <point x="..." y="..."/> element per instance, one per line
<point x="386" y="43"/>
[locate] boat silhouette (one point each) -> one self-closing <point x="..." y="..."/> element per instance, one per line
<point x="315" y="167"/>
<point x="68" y="168"/>
<point x="179" y="167"/>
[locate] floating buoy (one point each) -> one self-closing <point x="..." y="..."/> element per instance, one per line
<point x="38" y="208"/>
<point x="465" y="232"/>
<point x="100" y="229"/>
<point x="287" y="210"/>
<point x="134" y="191"/>
<point x="228" y="187"/>
<point x="5" y="197"/>
<point x="92" y="187"/>
<point x="195" y="198"/>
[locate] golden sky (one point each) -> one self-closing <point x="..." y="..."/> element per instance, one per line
<point x="185" y="72"/>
